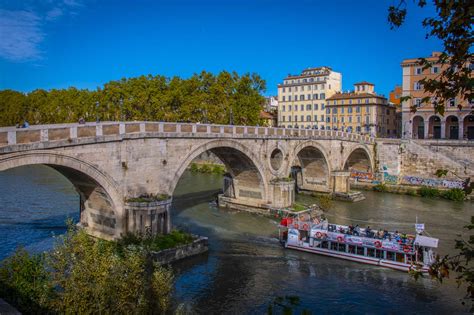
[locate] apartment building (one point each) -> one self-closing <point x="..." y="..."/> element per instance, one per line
<point x="302" y="98"/>
<point x="457" y="121"/>
<point x="361" y="111"/>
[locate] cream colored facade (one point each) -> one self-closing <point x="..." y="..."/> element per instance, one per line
<point x="457" y="121"/>
<point x="361" y="111"/>
<point x="302" y="98"/>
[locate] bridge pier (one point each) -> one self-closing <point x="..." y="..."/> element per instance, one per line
<point x="342" y="188"/>
<point x="148" y="217"/>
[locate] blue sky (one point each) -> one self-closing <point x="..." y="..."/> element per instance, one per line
<point x="86" y="43"/>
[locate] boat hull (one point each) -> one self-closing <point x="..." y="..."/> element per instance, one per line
<point x="356" y="258"/>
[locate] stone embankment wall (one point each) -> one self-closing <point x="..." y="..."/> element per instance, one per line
<point x="415" y="162"/>
<point x="198" y="246"/>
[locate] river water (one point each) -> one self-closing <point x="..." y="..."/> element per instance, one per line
<point x="246" y="268"/>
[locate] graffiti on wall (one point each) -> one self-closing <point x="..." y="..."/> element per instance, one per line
<point x="390" y="179"/>
<point x="419" y="181"/>
<point x="362" y="176"/>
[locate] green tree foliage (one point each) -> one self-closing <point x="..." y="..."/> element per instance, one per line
<point x="453" y="26"/>
<point x="84" y="275"/>
<point x="207" y="98"/>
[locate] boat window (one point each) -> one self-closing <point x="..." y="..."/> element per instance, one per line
<point x="342" y="247"/>
<point x="331" y="227"/>
<point x="360" y="250"/>
<point x="352" y="249"/>
<point x="334" y="246"/>
<point x="400" y="257"/>
<point x="390" y="255"/>
<point x="324" y="244"/>
<point x="379" y="253"/>
<point x="370" y="252"/>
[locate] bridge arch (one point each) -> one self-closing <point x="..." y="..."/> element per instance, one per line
<point x="102" y="211"/>
<point x="241" y="162"/>
<point x="315" y="166"/>
<point x="359" y="161"/>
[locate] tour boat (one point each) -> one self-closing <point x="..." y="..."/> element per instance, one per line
<point x="381" y="248"/>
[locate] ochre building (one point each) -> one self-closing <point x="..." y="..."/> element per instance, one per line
<point x="457" y="121"/>
<point x="361" y="111"/>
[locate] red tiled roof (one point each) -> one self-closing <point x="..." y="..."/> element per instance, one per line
<point x="364" y="83"/>
<point x="339" y="96"/>
<point x="266" y="115"/>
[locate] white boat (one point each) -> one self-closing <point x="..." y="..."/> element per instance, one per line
<point x="387" y="249"/>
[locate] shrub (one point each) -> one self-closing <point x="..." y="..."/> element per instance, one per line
<point x="86" y="275"/>
<point x="428" y="192"/>
<point x="325" y="202"/>
<point x="194" y="168"/>
<point x="455" y="194"/>
<point x="218" y="169"/>
<point x="380" y="187"/>
<point x="205" y="168"/>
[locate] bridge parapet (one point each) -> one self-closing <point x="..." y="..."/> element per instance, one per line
<point x="64" y="134"/>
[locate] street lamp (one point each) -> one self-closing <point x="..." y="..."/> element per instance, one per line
<point x="97" y="112"/>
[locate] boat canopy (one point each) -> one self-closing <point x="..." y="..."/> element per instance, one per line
<point x="421" y="240"/>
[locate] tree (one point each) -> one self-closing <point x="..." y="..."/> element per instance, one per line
<point x="453" y="26"/>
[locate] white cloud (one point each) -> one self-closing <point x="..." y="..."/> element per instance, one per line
<point x="53" y="14"/>
<point x="20" y="34"/>
<point x="21" y="29"/>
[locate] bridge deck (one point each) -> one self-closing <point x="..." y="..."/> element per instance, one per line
<point x="62" y="134"/>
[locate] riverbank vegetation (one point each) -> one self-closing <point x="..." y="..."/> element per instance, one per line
<point x="207" y="168"/>
<point x="156" y="242"/>
<point x="149" y="198"/>
<point x="83" y="274"/>
<point x="453" y="194"/>
<point x="204" y="97"/>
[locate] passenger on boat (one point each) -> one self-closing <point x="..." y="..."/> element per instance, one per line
<point x="380" y="234"/>
<point x="357" y="230"/>
<point x="325" y="224"/>
<point x="368" y="232"/>
<point x="385" y="234"/>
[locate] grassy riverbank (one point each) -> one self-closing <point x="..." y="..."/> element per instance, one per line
<point x="83" y="274"/>
<point x="453" y="194"/>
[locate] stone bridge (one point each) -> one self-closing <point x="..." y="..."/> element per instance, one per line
<point x="115" y="166"/>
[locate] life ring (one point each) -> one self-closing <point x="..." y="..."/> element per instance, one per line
<point x="340" y="239"/>
<point x="296" y="226"/>
<point x="305" y="226"/>
<point x="406" y="249"/>
<point x="377" y="244"/>
<point x="319" y="235"/>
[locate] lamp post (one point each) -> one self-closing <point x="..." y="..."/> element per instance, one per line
<point x="97" y="112"/>
<point x="121" y="108"/>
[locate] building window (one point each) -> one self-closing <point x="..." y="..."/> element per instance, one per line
<point x="417" y="102"/>
<point x="434" y="70"/>
<point x="328" y="110"/>
<point x="328" y="119"/>
<point x="358" y="128"/>
<point x="302" y="118"/>
<point x="350" y="119"/>
<point x="334" y="119"/>
<point x="358" y="119"/>
<point x="350" y="101"/>
<point x="418" y="71"/>
<point x="315" y="117"/>
<point x="302" y="107"/>
<point x="301" y="97"/>
<point x="418" y="86"/>
<point x="289" y="108"/>
<point x="358" y="109"/>
<point x="296" y="118"/>
<point x="367" y="109"/>
<point x="342" y="110"/>
<point x="283" y="118"/>
<point x="308" y="96"/>
<point x="349" y="110"/>
<point x="315" y="106"/>
<point x="367" y="120"/>
<point x="284" y="107"/>
<point x="342" y="102"/>
<point x="322" y="118"/>
<point x="308" y="118"/>
<point x="322" y="106"/>
<point x="366" y="101"/>
<point x="452" y="102"/>
<point x="283" y="98"/>
<point x="289" y="118"/>
<point x="296" y="107"/>
<point x="289" y="98"/>
<point x="322" y="96"/>
<point x="283" y="90"/>
<point x="342" y="119"/>
<point x="308" y="107"/>
<point x="388" y="111"/>
<point x="289" y="89"/>
<point x="315" y="96"/>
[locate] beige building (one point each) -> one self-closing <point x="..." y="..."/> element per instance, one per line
<point x="361" y="111"/>
<point x="457" y="122"/>
<point x="302" y="98"/>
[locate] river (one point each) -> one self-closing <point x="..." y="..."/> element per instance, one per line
<point x="246" y="268"/>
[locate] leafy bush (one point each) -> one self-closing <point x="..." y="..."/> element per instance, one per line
<point x="86" y="275"/>
<point x="325" y="202"/>
<point x="157" y="242"/>
<point x="194" y="168"/>
<point x="218" y="169"/>
<point x="380" y="187"/>
<point x="455" y="194"/>
<point x="428" y="192"/>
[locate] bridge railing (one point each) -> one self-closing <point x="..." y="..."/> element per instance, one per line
<point x="102" y="130"/>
